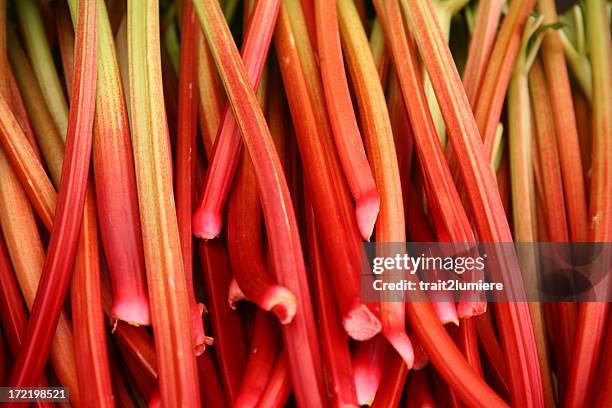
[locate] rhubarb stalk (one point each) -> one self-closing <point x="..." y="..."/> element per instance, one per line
<point x="230" y="348"/>
<point x="342" y="118"/>
<point x="245" y="239"/>
<point x="278" y="389"/>
<point x="13" y="314"/>
<point x="368" y="358"/>
<point x="207" y="220"/>
<point x="523" y="186"/>
<point x="553" y="205"/>
<point x="381" y="149"/>
<point x="33" y="30"/>
<point x="263" y="351"/>
<point x="47" y="133"/>
<point x="334" y="340"/>
<point x="167" y="286"/>
<point x="483" y="37"/>
<point x="64" y="236"/>
<point x="565" y="125"/>
<point x="88" y="316"/>
<point x="186" y="148"/>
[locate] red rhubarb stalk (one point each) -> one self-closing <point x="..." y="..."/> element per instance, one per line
<point x="392" y="382"/>
<point x="64" y="236"/>
<point x="342" y="118"/>
<point x="565" y="126"/>
<point x="521" y="135"/>
<point x="245" y="244"/>
<point x="419" y="230"/>
<point x="168" y="293"/>
<point x="19" y="227"/>
<point x="603" y="396"/>
<point x="207" y="220"/>
<point x="467" y="341"/>
<point x="281" y="225"/>
<point x="278" y="389"/>
<point x="88" y="316"/>
<point x="230" y="345"/>
<point x="553" y="206"/>
<point x="381" y="149"/>
<point x="420" y="391"/>
<point x="264" y="348"/>
<point x="334" y="340"/>
<point x="322" y="173"/>
<point x="491" y="93"/>
<point x="211" y="96"/>
<point x="186" y="149"/>
<point x="368" y="358"/>
<point x="245" y="239"/>
<point x="492" y="350"/>
<point x="210" y="385"/>
<point x="13" y="315"/>
<point x="481" y="44"/>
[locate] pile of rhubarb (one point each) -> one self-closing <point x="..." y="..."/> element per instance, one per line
<point x="186" y="188"/>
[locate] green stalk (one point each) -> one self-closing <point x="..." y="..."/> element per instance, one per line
<point x="572" y="36"/>
<point x="39" y="51"/>
<point x="168" y="294"/>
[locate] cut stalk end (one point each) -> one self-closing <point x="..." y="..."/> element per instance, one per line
<point x="360" y="323"/>
<point x="402" y="344"/>
<point x="235" y="294"/>
<point x="367" y="209"/>
<point x="469" y="309"/>
<point x="446" y="312"/>
<point x="131" y="311"/>
<point x="200" y="340"/>
<point x="206" y="225"/>
<point x="282" y="303"/>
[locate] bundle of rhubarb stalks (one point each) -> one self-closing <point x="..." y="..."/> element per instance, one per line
<point x="186" y="188"/>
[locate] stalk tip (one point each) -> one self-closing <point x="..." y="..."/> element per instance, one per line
<point x="200" y="340"/>
<point x="206" y="225"/>
<point x="402" y="344"/>
<point x="446" y="312"/>
<point x="360" y="323"/>
<point x="367" y="208"/>
<point x="235" y="294"/>
<point x="282" y="302"/>
<point x="469" y="309"/>
<point x="131" y="311"/>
